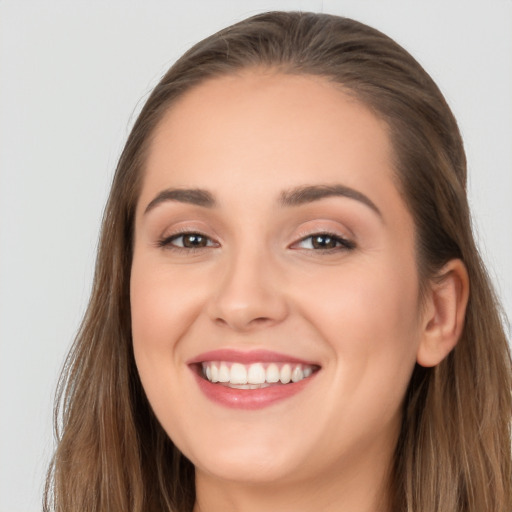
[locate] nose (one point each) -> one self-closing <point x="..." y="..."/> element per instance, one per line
<point x="249" y="294"/>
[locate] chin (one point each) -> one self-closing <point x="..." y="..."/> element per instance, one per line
<point x="253" y="461"/>
<point x="247" y="471"/>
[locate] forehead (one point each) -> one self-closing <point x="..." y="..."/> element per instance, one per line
<point x="259" y="132"/>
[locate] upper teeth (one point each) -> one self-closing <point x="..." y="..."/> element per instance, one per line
<point x="256" y="373"/>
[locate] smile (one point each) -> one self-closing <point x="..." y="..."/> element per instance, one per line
<point x="256" y="375"/>
<point x="250" y="380"/>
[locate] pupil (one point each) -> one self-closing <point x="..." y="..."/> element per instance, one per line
<point x="194" y="241"/>
<point x="324" y="242"/>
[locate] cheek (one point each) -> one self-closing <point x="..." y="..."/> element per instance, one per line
<point x="370" y="318"/>
<point x="164" y="302"/>
<point x="164" y="305"/>
<point x="363" y="298"/>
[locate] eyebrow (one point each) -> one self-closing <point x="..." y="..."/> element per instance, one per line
<point x="288" y="198"/>
<point x="308" y="194"/>
<point x="195" y="196"/>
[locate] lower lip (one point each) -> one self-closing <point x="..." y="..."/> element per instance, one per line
<point x="250" y="399"/>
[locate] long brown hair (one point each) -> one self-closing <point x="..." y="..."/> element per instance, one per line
<point x="453" y="454"/>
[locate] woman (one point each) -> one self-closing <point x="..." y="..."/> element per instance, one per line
<point x="289" y="310"/>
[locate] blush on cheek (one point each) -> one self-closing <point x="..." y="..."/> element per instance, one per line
<point x="153" y="295"/>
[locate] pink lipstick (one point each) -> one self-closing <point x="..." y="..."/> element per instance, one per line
<point x="250" y="380"/>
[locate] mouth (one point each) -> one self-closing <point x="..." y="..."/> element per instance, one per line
<point x="257" y="375"/>
<point x="250" y="380"/>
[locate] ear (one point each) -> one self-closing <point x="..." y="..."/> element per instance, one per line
<point x="445" y="310"/>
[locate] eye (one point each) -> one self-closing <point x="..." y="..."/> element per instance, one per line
<point x="187" y="241"/>
<point x="324" y="242"/>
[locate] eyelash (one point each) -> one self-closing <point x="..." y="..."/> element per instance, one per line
<point x="167" y="242"/>
<point x="341" y="243"/>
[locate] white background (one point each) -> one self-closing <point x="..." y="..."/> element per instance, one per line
<point x="73" y="74"/>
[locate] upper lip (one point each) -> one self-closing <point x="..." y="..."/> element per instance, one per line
<point x="247" y="357"/>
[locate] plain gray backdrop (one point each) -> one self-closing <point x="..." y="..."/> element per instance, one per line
<point x="72" y="77"/>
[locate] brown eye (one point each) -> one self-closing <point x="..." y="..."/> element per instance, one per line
<point x="187" y="241"/>
<point x="324" y="242"/>
<point x="194" y="240"/>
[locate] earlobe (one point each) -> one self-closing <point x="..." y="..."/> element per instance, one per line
<point x="444" y="314"/>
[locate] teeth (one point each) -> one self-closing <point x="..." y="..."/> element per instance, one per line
<point x="297" y="374"/>
<point x="256" y="375"/>
<point x="215" y="373"/>
<point x="224" y="374"/>
<point x="272" y="373"/>
<point x="249" y="386"/>
<point x="286" y="374"/>
<point x="238" y="374"/>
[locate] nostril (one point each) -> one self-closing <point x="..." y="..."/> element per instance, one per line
<point x="243" y="324"/>
<point x="260" y="320"/>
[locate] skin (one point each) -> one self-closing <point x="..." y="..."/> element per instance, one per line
<point x="260" y="284"/>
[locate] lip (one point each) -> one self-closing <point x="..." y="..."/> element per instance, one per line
<point x="249" y="357"/>
<point x="248" y="399"/>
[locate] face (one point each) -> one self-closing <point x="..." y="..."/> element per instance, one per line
<point x="274" y="288"/>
